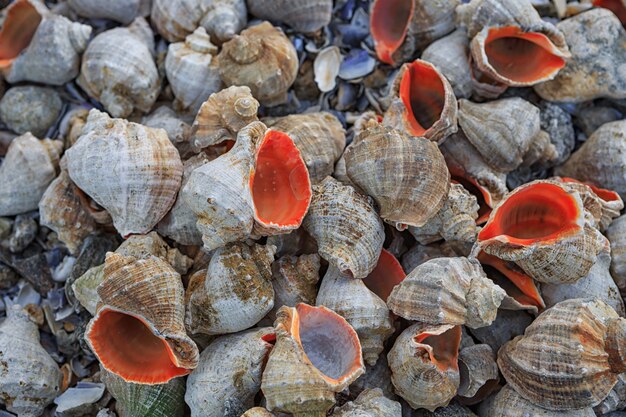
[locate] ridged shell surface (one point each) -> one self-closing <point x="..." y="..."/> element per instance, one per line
<point x="294" y="279"/>
<point x="370" y="403"/>
<point x="301" y="15"/>
<point x="616" y="233"/>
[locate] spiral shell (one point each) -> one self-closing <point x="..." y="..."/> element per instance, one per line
<point x="124" y="11"/>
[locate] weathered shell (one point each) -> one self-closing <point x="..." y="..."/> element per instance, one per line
<point x="262" y="58"/>
<point x="294" y="280"/>
<point x="587" y="354"/>
<point x="151" y="244"/>
<point x="85" y="288"/>
<point x="302" y="16"/>
<point x="30" y="109"/>
<point x="406" y="176"/>
<point x="133" y="171"/>
<point x="616" y="233"/>
<point x="28" y="168"/>
<point x="423" y="363"/>
<point x="177" y="130"/>
<point x="118" y="69"/>
<point x="478" y="371"/>
<point x="228" y="376"/>
<point x="616" y="400"/>
<point x="124" y="11"/>
<point x="447" y="291"/>
<point x="30" y="377"/>
<point x="257" y="412"/>
<point x="369" y="403"/>
<point x="347" y="229"/>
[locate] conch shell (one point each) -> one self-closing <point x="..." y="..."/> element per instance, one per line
<point x="123" y="11"/>
<point x="133" y="171"/>
<point x="294" y="279"/>
<point x="28" y="168"/>
<point x="262" y="58"/>
<point x="138" y="331"/>
<point x="616" y="233"/>
<point x="303" y="16"/>
<point x="316" y="355"/>
<point x="369" y="403"/>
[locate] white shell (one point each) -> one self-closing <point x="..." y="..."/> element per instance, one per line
<point x="326" y="68"/>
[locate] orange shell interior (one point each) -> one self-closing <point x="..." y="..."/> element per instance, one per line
<point x="445" y="346"/>
<point x="19" y="28"/>
<point x="616" y="6"/>
<point x="523" y="57"/>
<point x="483" y="197"/>
<point x="604" y="194"/>
<point x="541" y="212"/>
<point x="387" y="274"/>
<point x="389" y="23"/>
<point x="424" y="97"/>
<point x="281" y="189"/>
<point x="126" y="345"/>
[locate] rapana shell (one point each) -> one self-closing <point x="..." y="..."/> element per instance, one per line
<point x="302" y="15"/>
<point x="569" y="357"/>
<point x="262" y="58"/>
<point x="29" y="166"/>
<point x="119" y="71"/>
<point x="406" y="176"/>
<point x="123" y="11"/>
<point x="422" y="102"/>
<point x="616" y="233"/>
<point x="447" y="291"/>
<point x="133" y="171"/>
<point x="151" y="244"/>
<point x="177" y="129"/>
<point x="347" y="229"/>
<point x="235" y="291"/>
<point x="616" y="400"/>
<point x="423" y="362"/>
<point x="294" y="279"/>
<point x="228" y="376"/>
<point x="138" y="331"/>
<point x="370" y="403"/>
<point x="38" y="45"/>
<point x="479" y="372"/>
<point x="316" y="355"/>
<point x="191" y="70"/>
<point x="30" y="377"/>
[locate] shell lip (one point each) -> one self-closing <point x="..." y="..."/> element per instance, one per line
<point x="603" y="193"/>
<point x="386" y="275"/>
<point x="443" y="335"/>
<point x="482" y="194"/>
<point x="21" y="23"/>
<point x="387" y="43"/>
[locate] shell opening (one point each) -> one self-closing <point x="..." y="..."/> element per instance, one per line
<point x="616" y="6"/>
<point x="387" y="274"/>
<point x="445" y="347"/>
<point x="389" y="24"/>
<point x="19" y="28"/>
<point x="524" y="57"/>
<point x="481" y="193"/>
<point x="604" y="194"/>
<point x="281" y="189"/>
<point x="423" y="95"/>
<point x="126" y="346"/>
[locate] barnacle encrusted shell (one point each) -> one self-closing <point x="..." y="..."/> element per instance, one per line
<point x="133" y="171"/>
<point x="479" y="372"/>
<point x="118" y="69"/>
<point x="302" y="15"/>
<point x="406" y="176"/>
<point x="316" y="355"/>
<point x="138" y="331"/>
<point x="29" y="166"/>
<point x="447" y="291"/>
<point x="422" y="102"/>
<point x="228" y="376"/>
<point x="569" y="357"/>
<point x="423" y="363"/>
<point x="262" y="58"/>
<point x="294" y="279"/>
<point x="30" y="377"/>
<point x="347" y="229"/>
<point x="123" y="11"/>
<point x="369" y="403"/>
<point x="616" y="233"/>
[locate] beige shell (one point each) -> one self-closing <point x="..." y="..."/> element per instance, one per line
<point x="30" y="377"/>
<point x="262" y="58"/>
<point x="326" y="68"/>
<point x="302" y="16"/>
<point x="177" y="129"/>
<point x="596" y="39"/>
<point x="479" y="372"/>
<point x="587" y="354"/>
<point x="30" y="108"/>
<point x="406" y="176"/>
<point x="320" y="137"/>
<point x="447" y="291"/>
<point x="370" y="403"/>
<point x="133" y="171"/>
<point x="85" y="288"/>
<point x="423" y="363"/>
<point x="76" y="119"/>
<point x="123" y="11"/>
<point x="118" y="69"/>
<point x="257" y="412"/>
<point x="541" y="152"/>
<point x="616" y="233"/>
<point x="294" y="279"/>
<point x="347" y="229"/>
<point x="235" y="291"/>
<point x="228" y="376"/>
<point x="29" y="166"/>
<point x="151" y="244"/>
<point x="191" y="70"/>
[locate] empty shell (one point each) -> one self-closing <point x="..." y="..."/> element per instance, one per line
<point x="301" y="15"/>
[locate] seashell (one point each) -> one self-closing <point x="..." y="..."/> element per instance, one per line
<point x="419" y="254"/>
<point x="80" y="399"/>
<point x="228" y="376"/>
<point x="326" y="68"/>
<point x="75" y="123"/>
<point x="386" y="275"/>
<point x="138" y="331"/>
<point x="513" y="124"/>
<point x="177" y="130"/>
<point x="375" y="377"/>
<point x="257" y="412"/>
<point x="423" y="363"/>
<point x="598" y="58"/>
<point x="191" y="72"/>
<point x="30" y="109"/>
<point x="139" y="400"/>
<point x="316" y="354"/>
<point x="420" y="183"/>
<point x="478" y="371"/>
<point x="348" y="231"/>
<point x="422" y="102"/>
<point x="587" y="337"/>
<point x="235" y="291"/>
<point x="263" y="59"/>
<point x="447" y="291"/>
<point x="357" y="64"/>
<point x="222" y="19"/>
<point x="541" y="227"/>
<point x="309" y="16"/>
<point x="616" y="233"/>
<point x="151" y="244"/>
<point x="40" y="46"/>
<point x="121" y="11"/>
<point x="616" y="399"/>
<point x="85" y="288"/>
<point x="28" y="168"/>
<point x="401" y="27"/>
<point x="618" y="7"/>
<point x="139" y="188"/>
<point x="506" y="326"/>
<point x="297" y="242"/>
<point x="370" y="403"/>
<point x="294" y="279"/>
<point x="320" y="137"/>
<point x="119" y="71"/>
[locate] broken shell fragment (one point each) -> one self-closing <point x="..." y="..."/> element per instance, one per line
<point x="302" y="16"/>
<point x="85" y="288"/>
<point x="369" y="403"/>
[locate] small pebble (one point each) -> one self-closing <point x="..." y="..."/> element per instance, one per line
<point x="24" y="232"/>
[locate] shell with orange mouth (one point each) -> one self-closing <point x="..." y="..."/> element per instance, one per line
<point x="316" y="355"/>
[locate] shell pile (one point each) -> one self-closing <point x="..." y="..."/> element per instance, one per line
<point x="312" y="208"/>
